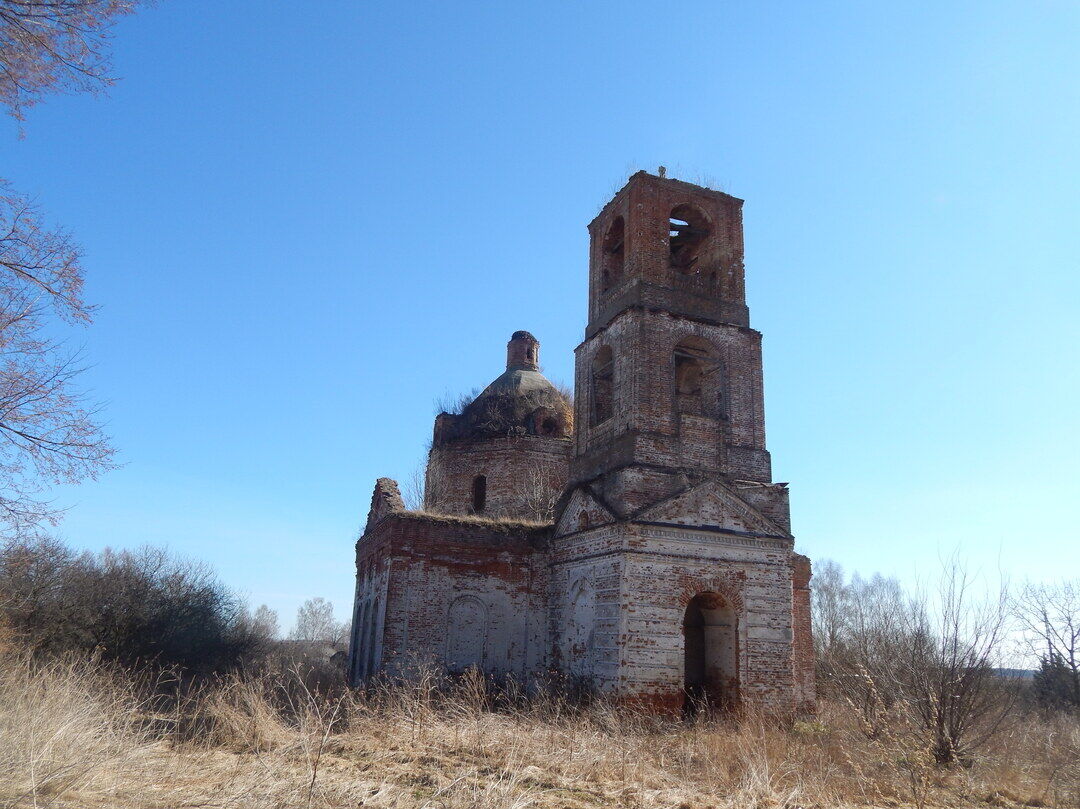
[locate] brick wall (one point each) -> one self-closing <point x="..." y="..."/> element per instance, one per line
<point x="713" y="289"/>
<point x="644" y="578"/>
<point x="523" y="475"/>
<point x="459" y="591"/>
<point x="803" y="649"/>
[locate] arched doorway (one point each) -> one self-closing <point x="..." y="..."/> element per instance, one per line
<point x="710" y="659"/>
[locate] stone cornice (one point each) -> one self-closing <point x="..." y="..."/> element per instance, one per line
<point x="715" y="536"/>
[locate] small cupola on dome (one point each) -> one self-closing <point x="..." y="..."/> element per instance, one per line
<point x="520" y="401"/>
<point x="522" y="352"/>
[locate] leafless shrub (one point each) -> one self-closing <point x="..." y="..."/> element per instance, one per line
<point x="455" y="403"/>
<point x="566" y="393"/>
<point x="929" y="664"/>
<point x="950" y="671"/>
<point x="1049" y="616"/>
<point x="412" y="491"/>
<point x="436" y="485"/>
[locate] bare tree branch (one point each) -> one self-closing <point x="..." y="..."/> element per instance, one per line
<point x="55" y="46"/>
<point x="49" y="433"/>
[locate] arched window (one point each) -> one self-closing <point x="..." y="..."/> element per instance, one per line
<point x="688" y="230"/>
<point x="688" y="372"/>
<point x="583" y="521"/>
<point x="479" y="494"/>
<point x="698" y="379"/>
<point x="613" y="255"/>
<point x="603" y="385"/>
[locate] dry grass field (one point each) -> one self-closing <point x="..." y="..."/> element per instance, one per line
<point x="76" y="735"/>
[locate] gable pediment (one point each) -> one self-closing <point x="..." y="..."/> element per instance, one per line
<point x="711" y="504"/>
<point x="583" y="510"/>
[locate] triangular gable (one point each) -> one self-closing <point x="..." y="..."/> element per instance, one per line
<point x="386" y="499"/>
<point x="583" y="510"/>
<point x="711" y="504"/>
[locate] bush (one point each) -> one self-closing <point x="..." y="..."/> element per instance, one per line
<point x="138" y="608"/>
<point x="932" y="661"/>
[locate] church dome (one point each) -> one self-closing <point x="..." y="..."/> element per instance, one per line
<point x="521" y="401"/>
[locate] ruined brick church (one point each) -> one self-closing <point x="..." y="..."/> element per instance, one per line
<point x="635" y="539"/>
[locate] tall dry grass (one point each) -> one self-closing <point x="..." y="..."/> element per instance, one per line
<point x="74" y="735"/>
<point x="63" y="725"/>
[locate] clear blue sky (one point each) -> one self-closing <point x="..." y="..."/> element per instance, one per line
<point x="305" y="223"/>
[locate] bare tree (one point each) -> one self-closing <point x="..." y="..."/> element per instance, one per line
<point x="48" y="433"/>
<point x="831" y="608"/>
<point x="860" y="635"/>
<point x="432" y="485"/>
<point x="264" y="622"/>
<point x="54" y="45"/>
<point x="537" y="494"/>
<point x="949" y="671"/>
<point x="412" y="492"/>
<point x="1050" y="619"/>
<point x="315" y="623"/>
<point x="926" y="664"/>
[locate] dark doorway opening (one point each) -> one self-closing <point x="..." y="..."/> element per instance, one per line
<point x="710" y="659"/>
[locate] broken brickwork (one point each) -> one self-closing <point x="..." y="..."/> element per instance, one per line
<point x="636" y="542"/>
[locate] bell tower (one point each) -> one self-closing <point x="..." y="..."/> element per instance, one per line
<point x="668" y="380"/>
<point x="674" y="579"/>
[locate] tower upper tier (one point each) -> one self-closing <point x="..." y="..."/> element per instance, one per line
<point x="668" y="244"/>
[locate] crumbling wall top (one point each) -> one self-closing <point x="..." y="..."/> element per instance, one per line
<point x="386" y="499"/>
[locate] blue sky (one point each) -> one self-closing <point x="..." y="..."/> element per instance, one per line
<point x="304" y="227"/>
